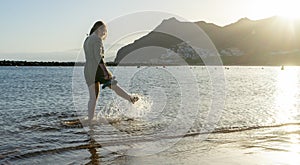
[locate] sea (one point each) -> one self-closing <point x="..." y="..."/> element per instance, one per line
<point x="185" y="115"/>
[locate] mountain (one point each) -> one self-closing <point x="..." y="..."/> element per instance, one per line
<point x="270" y="41"/>
<point x="271" y="34"/>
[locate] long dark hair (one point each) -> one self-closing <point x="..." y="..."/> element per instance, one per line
<point x="96" y="26"/>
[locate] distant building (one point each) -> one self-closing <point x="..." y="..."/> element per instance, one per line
<point x="231" y="52"/>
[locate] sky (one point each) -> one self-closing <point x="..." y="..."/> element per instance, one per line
<point x="54" y="30"/>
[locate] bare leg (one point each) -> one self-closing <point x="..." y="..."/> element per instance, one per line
<point x="121" y="92"/>
<point x="94" y="93"/>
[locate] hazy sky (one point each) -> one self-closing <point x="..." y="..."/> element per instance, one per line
<point x="52" y="29"/>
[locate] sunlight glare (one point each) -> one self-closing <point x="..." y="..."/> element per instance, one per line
<point x="287" y="91"/>
<point x="287" y="9"/>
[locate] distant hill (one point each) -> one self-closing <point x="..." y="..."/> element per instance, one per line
<point x="271" y="34"/>
<point x="270" y="41"/>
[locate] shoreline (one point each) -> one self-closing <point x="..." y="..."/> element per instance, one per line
<point x="56" y="63"/>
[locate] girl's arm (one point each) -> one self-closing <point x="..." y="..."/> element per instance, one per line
<point x="98" y="49"/>
<point x="107" y="74"/>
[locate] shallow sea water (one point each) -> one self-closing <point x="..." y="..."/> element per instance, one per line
<point x="259" y="122"/>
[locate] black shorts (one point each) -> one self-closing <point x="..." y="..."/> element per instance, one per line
<point x="99" y="79"/>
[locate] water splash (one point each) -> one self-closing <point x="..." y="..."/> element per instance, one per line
<point x="122" y="109"/>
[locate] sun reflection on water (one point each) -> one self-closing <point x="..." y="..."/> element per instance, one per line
<point x="292" y="156"/>
<point x="286" y="141"/>
<point x="295" y="143"/>
<point x="286" y="95"/>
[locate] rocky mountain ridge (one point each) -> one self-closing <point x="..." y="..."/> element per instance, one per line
<point x="270" y="41"/>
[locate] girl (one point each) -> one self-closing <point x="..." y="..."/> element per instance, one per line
<point x="95" y="71"/>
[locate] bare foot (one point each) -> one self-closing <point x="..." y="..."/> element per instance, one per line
<point x="134" y="99"/>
